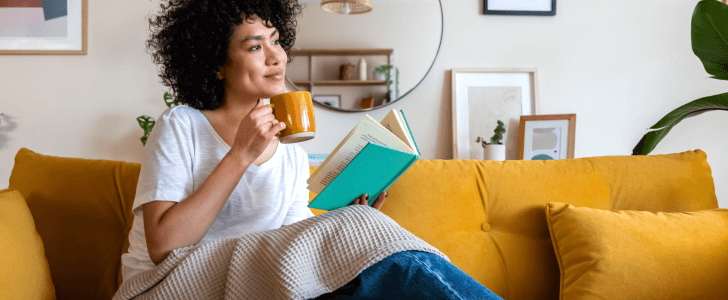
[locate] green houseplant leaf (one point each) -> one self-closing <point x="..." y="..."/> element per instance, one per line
<point x="146" y="123"/>
<point x="662" y="127"/>
<point x="709" y="35"/>
<point x="499" y="131"/>
<point x="169" y="100"/>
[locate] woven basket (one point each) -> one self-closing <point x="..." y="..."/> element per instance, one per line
<point x="346" y="72"/>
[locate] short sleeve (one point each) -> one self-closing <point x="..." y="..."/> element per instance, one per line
<point x="299" y="208"/>
<point x="166" y="170"/>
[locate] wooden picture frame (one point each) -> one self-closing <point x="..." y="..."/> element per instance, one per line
<point x="330" y="100"/>
<point x="481" y="97"/>
<point x="520" y="8"/>
<point x="546" y="137"/>
<point x="74" y="42"/>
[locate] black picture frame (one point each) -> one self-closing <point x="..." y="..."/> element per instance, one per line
<point x="551" y="12"/>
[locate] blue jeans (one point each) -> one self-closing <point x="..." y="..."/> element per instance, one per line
<point x="412" y="275"/>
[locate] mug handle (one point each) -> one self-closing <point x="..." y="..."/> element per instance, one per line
<point x="273" y="106"/>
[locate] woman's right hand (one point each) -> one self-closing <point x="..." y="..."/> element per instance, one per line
<point x="255" y="132"/>
<point x="364" y="200"/>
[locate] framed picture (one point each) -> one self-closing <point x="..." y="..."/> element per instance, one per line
<point x="547" y="137"/>
<point x="330" y="100"/>
<point x="482" y="97"/>
<point x="46" y="27"/>
<point x="520" y="7"/>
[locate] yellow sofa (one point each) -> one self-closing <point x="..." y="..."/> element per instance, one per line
<point x="487" y="216"/>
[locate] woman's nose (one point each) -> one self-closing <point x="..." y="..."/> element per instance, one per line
<point x="275" y="56"/>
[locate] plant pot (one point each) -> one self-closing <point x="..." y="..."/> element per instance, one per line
<point x="494" y="152"/>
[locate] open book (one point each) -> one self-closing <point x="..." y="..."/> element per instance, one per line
<point x="369" y="160"/>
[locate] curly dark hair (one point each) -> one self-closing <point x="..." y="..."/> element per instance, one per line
<point x="189" y="41"/>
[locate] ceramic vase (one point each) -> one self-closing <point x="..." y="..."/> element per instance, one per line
<point x="362" y="69"/>
<point x="494" y="152"/>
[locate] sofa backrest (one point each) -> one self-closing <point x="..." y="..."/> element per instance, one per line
<point x="82" y="212"/>
<point x="488" y="217"/>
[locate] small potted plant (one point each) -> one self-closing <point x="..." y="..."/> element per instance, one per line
<point x="383" y="72"/>
<point x="495" y="150"/>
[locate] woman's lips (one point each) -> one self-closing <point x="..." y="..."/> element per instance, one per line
<point x="275" y="76"/>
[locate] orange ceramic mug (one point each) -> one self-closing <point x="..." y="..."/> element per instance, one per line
<point x="296" y="110"/>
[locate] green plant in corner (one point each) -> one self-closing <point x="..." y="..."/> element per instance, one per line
<point x="496" y="138"/>
<point x="709" y="35"/>
<point x="147" y="122"/>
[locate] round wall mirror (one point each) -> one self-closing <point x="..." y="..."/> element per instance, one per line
<point x="360" y="62"/>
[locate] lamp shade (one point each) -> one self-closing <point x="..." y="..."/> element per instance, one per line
<point x="347" y="6"/>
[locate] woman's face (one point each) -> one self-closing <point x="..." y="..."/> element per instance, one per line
<point x="256" y="62"/>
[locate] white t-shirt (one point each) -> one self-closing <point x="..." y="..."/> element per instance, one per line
<point x="180" y="154"/>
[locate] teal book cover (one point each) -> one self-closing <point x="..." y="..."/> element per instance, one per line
<point x="373" y="171"/>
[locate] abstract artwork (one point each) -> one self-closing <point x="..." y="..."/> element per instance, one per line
<point x="482" y="97"/>
<point x="43" y="26"/>
<point x="546" y="143"/>
<point x="547" y="137"/>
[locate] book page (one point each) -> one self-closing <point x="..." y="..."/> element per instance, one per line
<point x="326" y="161"/>
<point x="367" y="131"/>
<point x="393" y="122"/>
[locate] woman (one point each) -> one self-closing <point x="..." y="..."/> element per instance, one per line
<point x="213" y="167"/>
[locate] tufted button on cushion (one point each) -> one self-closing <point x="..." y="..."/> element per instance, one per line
<point x="485" y="227"/>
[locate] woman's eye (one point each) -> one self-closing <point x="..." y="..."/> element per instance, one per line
<point x="276" y="42"/>
<point x="254" y="48"/>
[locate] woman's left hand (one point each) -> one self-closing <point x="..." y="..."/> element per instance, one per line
<point x="364" y="200"/>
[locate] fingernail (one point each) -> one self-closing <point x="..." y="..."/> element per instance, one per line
<point x="386" y="194"/>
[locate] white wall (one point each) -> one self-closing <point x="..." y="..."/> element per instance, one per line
<point x="619" y="65"/>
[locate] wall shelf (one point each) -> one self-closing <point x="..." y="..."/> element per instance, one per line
<point x="353" y="84"/>
<point x="341" y="52"/>
<point x="340" y="82"/>
<point x="310" y="53"/>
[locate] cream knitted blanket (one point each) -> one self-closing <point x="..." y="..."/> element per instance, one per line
<point x="300" y="261"/>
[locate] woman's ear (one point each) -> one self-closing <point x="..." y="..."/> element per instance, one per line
<point x="221" y="73"/>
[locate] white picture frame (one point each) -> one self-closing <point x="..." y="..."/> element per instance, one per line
<point x="547" y="137"/>
<point x="29" y="37"/>
<point x="330" y="100"/>
<point x="480" y="97"/>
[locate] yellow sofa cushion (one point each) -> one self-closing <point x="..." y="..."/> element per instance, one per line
<point x="24" y="271"/>
<point x="626" y="254"/>
<point x="82" y="209"/>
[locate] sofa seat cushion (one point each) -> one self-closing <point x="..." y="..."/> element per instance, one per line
<point x="24" y="271"/>
<point x="624" y="254"/>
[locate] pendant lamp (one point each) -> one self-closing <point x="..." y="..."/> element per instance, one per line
<point x="346" y="7"/>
